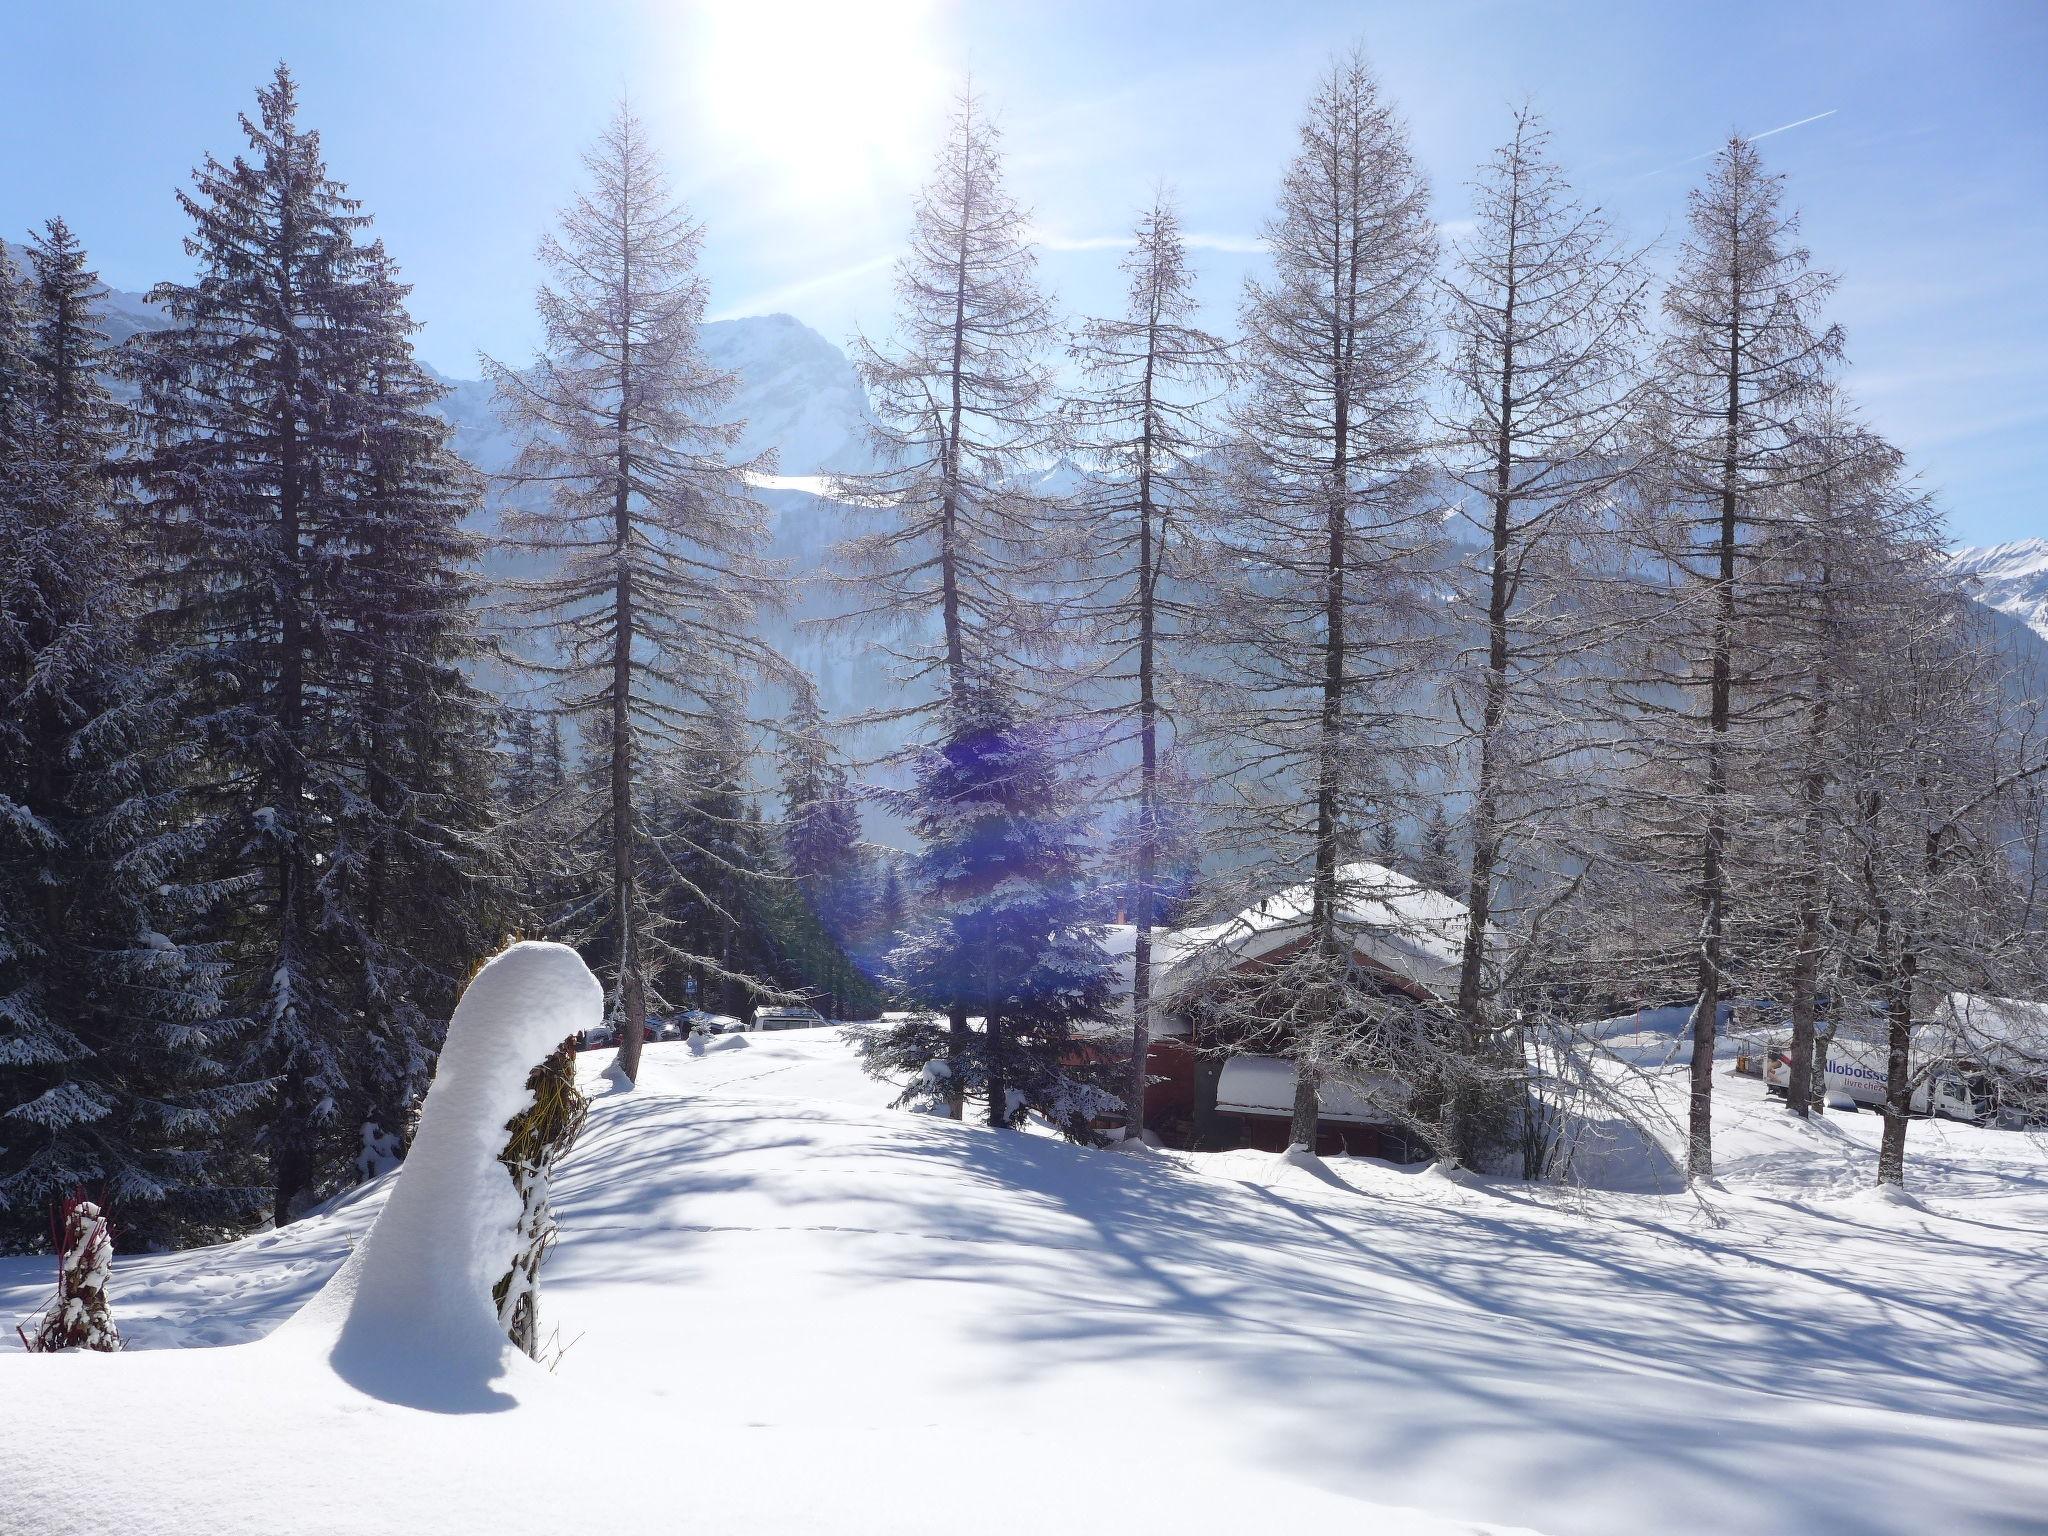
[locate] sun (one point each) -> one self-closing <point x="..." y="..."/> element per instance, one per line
<point x="826" y="101"/>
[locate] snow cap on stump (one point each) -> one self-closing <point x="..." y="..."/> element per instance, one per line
<point x="411" y="1312"/>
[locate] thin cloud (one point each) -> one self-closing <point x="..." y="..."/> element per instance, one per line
<point x="1664" y="170"/>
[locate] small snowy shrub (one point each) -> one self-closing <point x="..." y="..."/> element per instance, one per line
<point x="540" y="1136"/>
<point x="79" y="1318"/>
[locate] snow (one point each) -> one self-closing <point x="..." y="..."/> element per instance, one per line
<point x="788" y="1308"/>
<point x="409" y="1318"/>
<point x="2011" y="577"/>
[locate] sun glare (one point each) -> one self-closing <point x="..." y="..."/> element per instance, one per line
<point x="827" y="101"/>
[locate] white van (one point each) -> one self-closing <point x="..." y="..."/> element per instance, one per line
<point x="1857" y="1069"/>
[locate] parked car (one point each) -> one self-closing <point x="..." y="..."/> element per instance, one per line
<point x="787" y="1018"/>
<point x="701" y="1022"/>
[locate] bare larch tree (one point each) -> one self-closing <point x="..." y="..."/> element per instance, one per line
<point x="1324" y="536"/>
<point x="651" y="608"/>
<point x="1152" y="377"/>
<point x="1544" y="311"/>
<point x="1743" y="356"/>
<point x="962" y="394"/>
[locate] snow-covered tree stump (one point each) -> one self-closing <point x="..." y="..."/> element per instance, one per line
<point x="414" y="1315"/>
<point x="80" y="1318"/>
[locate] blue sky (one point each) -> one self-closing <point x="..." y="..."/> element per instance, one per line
<point x="798" y="129"/>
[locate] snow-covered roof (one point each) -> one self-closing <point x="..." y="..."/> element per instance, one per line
<point x="1264" y="1085"/>
<point x="2000" y="1031"/>
<point x="1395" y="921"/>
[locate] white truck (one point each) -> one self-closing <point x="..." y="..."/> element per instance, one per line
<point x="1856" y="1069"/>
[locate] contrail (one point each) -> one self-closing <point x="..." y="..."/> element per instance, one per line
<point x="1831" y="111"/>
<point x="1709" y="154"/>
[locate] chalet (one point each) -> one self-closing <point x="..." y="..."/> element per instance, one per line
<point x="1405" y="937"/>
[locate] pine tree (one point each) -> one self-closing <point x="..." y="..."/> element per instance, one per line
<point x="652" y="611"/>
<point x="1153" y="375"/>
<point x="110" y="1074"/>
<point x="1005" y="936"/>
<point x="1743" y="358"/>
<point x="305" y="523"/>
<point x="416" y="854"/>
<point x="1327" y="538"/>
<point x="1437" y="867"/>
<point x="534" y="789"/>
<point x="821" y="829"/>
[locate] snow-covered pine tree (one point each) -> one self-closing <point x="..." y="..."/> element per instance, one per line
<point x="291" y="473"/>
<point x="534" y="789"/>
<point x="1544" y="310"/>
<point x="1742" y="359"/>
<point x="416" y="856"/>
<point x="1005" y="933"/>
<point x="1329" y="539"/>
<point x="1152" y="377"/>
<point x="651" y="611"/>
<point x="80" y="1317"/>
<point x="1437" y="864"/>
<point x="821" y="828"/>
<point x="110" y="1069"/>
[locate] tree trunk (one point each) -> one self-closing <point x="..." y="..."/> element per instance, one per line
<point x="1699" y="1156"/>
<point x="956" y="1062"/>
<point x="1486" y="793"/>
<point x="1806" y="958"/>
<point x="1148" y="765"/>
<point x="998" y="1082"/>
<point x="625" y="886"/>
<point x="1898" y="1080"/>
<point x="1307" y="1108"/>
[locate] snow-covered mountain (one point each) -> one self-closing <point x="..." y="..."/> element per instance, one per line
<point x="2011" y="577"/>
<point x="797" y="394"/>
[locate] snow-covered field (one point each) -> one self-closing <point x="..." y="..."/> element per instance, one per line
<point x="790" y="1309"/>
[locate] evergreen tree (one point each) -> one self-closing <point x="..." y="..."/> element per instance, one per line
<point x="110" y="1070"/>
<point x="534" y="791"/>
<point x="1387" y="851"/>
<point x="965" y="550"/>
<point x="821" y="839"/>
<point x="652" y="611"/>
<point x="1006" y="934"/>
<point x="416" y="854"/>
<point x="305" y="518"/>
<point x="1437" y="865"/>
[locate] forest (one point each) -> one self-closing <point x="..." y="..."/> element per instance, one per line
<point x="1569" y="582"/>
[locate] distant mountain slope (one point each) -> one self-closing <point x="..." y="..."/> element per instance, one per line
<point x="798" y="395"/>
<point x="2011" y="577"/>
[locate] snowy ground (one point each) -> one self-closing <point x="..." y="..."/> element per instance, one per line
<point x="789" y="1308"/>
